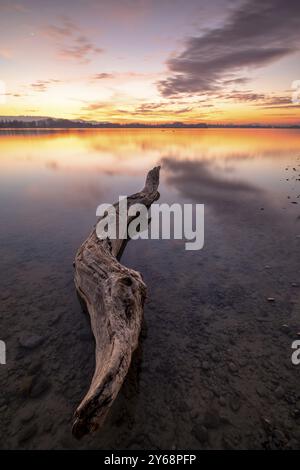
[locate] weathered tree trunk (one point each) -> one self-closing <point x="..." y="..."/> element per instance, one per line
<point x="114" y="296"/>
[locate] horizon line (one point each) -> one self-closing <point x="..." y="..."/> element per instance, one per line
<point x="44" y="122"/>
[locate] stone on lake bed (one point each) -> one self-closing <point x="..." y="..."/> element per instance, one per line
<point x="39" y="388"/>
<point x="235" y="403"/>
<point x="35" y="368"/>
<point x="211" y="419"/>
<point x="55" y="318"/>
<point x="25" y="386"/>
<point x="232" y="367"/>
<point x="27" y="433"/>
<point x="26" y="415"/>
<point x="279" y="392"/>
<point x="270" y="299"/>
<point x="278" y="436"/>
<point x="201" y="433"/>
<point x="30" y="341"/>
<point x="285" y="328"/>
<point x="222" y="401"/>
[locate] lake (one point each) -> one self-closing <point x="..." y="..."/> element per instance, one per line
<point x="214" y="367"/>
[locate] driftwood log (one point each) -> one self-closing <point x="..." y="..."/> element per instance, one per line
<point x="114" y="296"/>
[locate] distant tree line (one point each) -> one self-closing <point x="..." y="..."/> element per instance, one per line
<point x="53" y="123"/>
<point x="69" y="124"/>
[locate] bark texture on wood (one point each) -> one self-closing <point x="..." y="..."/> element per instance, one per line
<point x="114" y="296"/>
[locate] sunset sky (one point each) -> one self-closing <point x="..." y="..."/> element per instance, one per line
<point x="151" y="60"/>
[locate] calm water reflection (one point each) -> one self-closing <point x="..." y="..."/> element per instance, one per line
<point x="215" y="363"/>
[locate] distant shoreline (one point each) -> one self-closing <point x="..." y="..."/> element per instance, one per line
<point x="47" y="123"/>
<point x="120" y="127"/>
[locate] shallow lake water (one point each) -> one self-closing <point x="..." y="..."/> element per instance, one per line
<point x="214" y="367"/>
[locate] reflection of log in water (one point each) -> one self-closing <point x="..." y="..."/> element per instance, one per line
<point x="114" y="296"/>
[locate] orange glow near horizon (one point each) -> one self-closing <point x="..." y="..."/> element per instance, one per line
<point x="118" y="151"/>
